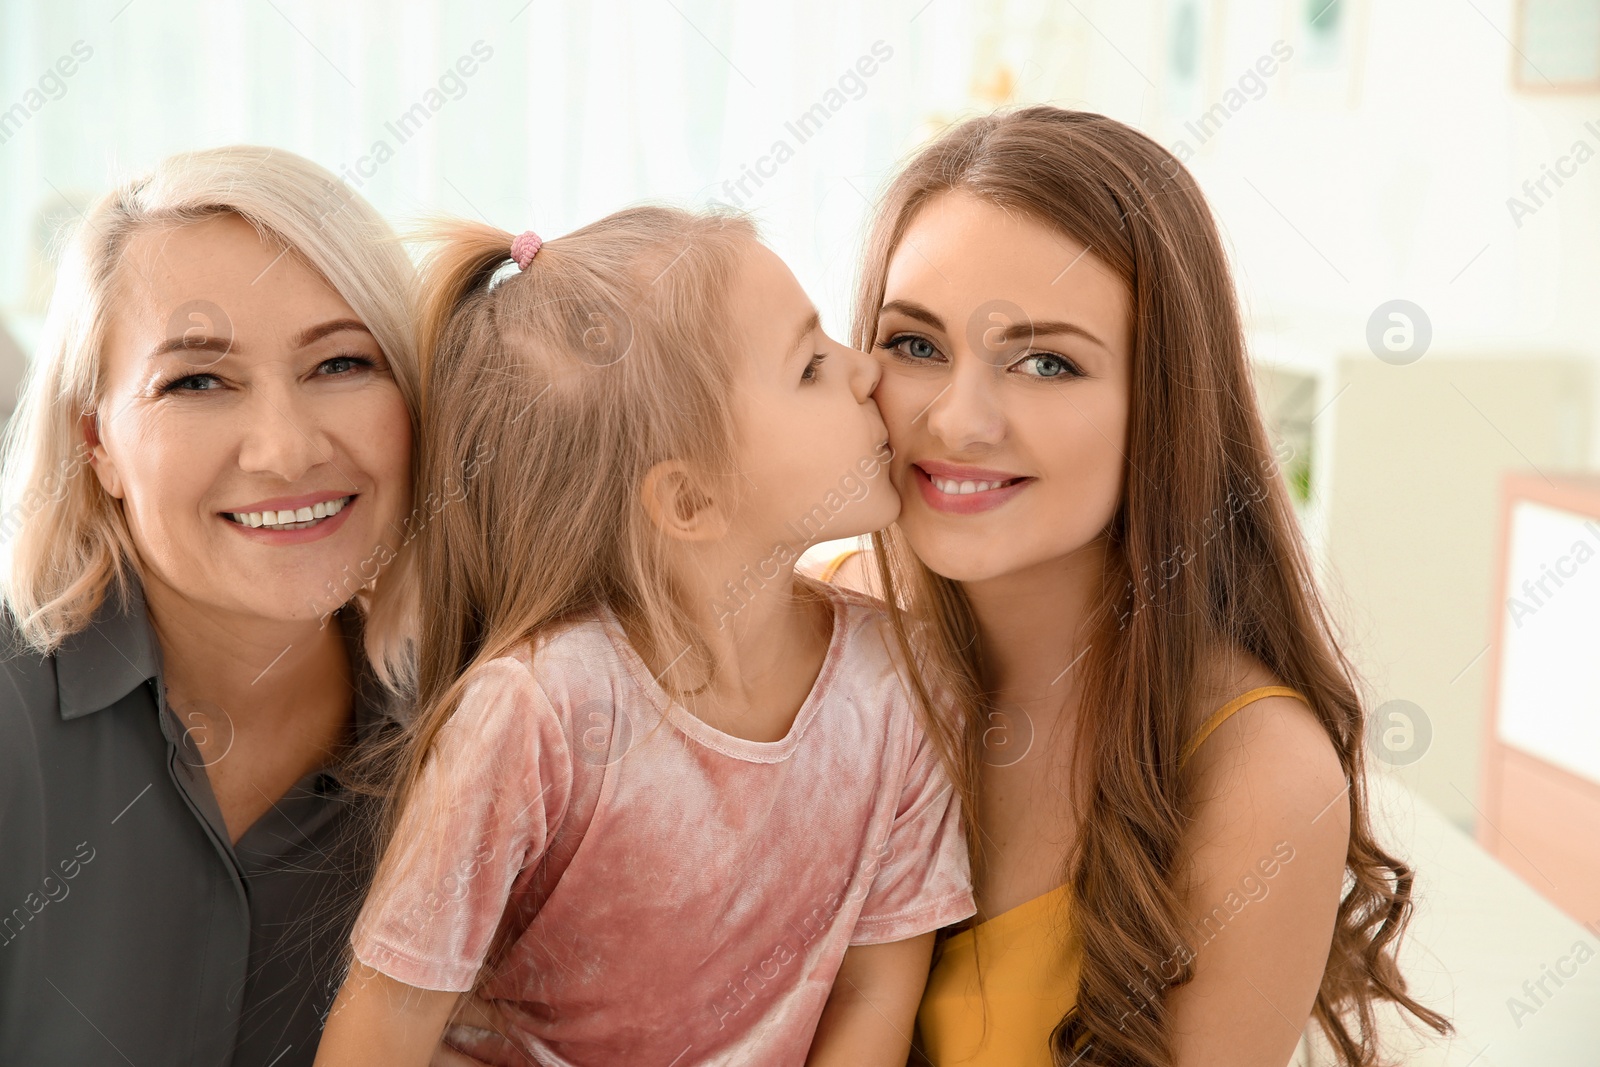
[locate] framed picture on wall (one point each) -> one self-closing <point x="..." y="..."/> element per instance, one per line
<point x="1541" y="751"/>
<point x="1556" y="46"/>
<point x="1329" y="38"/>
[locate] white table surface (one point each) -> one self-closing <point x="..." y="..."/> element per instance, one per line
<point x="1478" y="933"/>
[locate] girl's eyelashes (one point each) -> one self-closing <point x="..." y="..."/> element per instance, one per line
<point x="810" y="373"/>
<point x="346" y="365"/>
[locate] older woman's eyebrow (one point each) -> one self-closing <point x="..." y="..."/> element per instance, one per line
<point x="313" y="334"/>
<point x="188" y="342"/>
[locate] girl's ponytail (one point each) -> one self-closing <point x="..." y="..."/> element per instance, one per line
<point x="467" y="254"/>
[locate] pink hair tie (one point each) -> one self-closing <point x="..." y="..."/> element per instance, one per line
<point x="524" y="248"/>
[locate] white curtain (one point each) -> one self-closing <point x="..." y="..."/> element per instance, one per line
<point x="531" y="115"/>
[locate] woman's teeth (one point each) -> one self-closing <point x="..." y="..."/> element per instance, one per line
<point x="955" y="488"/>
<point x="297" y="519"/>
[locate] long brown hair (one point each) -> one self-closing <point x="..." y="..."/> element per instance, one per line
<point x="1204" y="552"/>
<point x="548" y="394"/>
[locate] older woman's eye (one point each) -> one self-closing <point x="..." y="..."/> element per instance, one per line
<point x="911" y="348"/>
<point x="190" y="383"/>
<point x="345" y="364"/>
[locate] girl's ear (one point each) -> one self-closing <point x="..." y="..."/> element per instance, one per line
<point x="679" y="506"/>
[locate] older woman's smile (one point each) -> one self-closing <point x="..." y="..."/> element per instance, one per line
<point x="269" y="520"/>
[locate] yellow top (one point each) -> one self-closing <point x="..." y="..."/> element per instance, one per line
<point x="1030" y="968"/>
<point x="830" y="570"/>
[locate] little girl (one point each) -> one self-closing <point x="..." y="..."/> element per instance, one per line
<point x="667" y="803"/>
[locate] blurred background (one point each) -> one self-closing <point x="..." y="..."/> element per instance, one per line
<point x="1408" y="189"/>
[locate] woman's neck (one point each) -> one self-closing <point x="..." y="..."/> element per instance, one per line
<point x="1033" y="625"/>
<point x="264" y="702"/>
<point x="253" y="667"/>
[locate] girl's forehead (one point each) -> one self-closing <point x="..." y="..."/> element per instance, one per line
<point x="768" y="303"/>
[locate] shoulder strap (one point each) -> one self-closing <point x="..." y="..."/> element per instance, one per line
<point x="831" y="569"/>
<point x="1221" y="715"/>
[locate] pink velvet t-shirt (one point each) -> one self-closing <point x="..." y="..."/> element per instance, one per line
<point x="636" y="886"/>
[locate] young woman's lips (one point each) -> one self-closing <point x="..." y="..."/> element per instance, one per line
<point x="316" y="532"/>
<point x="969" y="503"/>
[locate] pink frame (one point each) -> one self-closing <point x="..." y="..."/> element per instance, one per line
<point x="1540" y="820"/>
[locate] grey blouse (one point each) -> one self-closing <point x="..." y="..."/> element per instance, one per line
<point x="132" y="930"/>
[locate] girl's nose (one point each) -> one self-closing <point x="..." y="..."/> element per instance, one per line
<point x="864" y="374"/>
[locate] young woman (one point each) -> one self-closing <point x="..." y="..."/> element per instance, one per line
<point x="1173" y="858"/>
<point x="211" y="460"/>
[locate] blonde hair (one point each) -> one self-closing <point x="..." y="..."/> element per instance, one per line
<point x="547" y="399"/>
<point x="69" y="538"/>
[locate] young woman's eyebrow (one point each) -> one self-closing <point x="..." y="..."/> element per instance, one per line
<point x="912" y="310"/>
<point x="1022" y="331"/>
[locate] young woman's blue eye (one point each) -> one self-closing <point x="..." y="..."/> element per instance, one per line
<point x="911" y="348"/>
<point x="1049" y="365"/>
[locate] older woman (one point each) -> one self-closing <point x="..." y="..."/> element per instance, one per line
<point x="210" y="464"/>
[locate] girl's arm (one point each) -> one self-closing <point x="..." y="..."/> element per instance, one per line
<point x="873" y="1005"/>
<point x="382" y="1022"/>
<point x="498" y="777"/>
<point x="1268" y="847"/>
